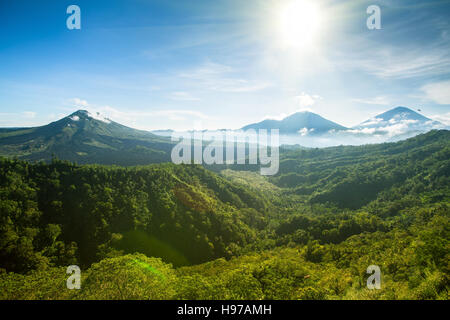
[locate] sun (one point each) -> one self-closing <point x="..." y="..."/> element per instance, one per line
<point x="300" y="21"/>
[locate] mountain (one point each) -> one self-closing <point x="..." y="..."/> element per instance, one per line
<point x="400" y="113"/>
<point x="400" y="122"/>
<point x="84" y="137"/>
<point x="298" y="123"/>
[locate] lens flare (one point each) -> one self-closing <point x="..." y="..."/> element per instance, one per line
<point x="299" y="23"/>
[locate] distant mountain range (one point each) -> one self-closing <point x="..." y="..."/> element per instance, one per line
<point x="399" y="120"/>
<point x="84" y="137"/>
<point x="312" y="130"/>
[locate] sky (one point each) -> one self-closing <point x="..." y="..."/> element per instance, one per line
<point x="213" y="64"/>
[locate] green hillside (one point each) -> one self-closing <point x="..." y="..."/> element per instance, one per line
<point x="184" y="232"/>
<point x="182" y="213"/>
<point x="84" y="138"/>
<point x="350" y="177"/>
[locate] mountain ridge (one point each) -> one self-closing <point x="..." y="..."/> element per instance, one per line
<point x="84" y="137"/>
<point x="396" y="124"/>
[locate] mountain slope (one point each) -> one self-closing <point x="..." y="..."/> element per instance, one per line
<point x="399" y="123"/>
<point x="85" y="138"/>
<point x="351" y="177"/>
<point x="300" y="122"/>
<point x="335" y="210"/>
<point x="401" y="113"/>
<point x="184" y="213"/>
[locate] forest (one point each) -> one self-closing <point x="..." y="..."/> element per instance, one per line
<point x="166" y="231"/>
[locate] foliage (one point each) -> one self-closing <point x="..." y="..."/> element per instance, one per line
<point x="184" y="232"/>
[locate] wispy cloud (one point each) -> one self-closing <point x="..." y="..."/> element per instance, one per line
<point x="29" y="114"/>
<point x="438" y="92"/>
<point x="443" y="118"/>
<point x="392" y="128"/>
<point x="302" y="102"/>
<point x="305" y="100"/>
<point x="279" y="116"/>
<point x="183" y="96"/>
<point x="147" y="120"/>
<point x="12" y="119"/>
<point x="179" y="114"/>
<point x="380" y="100"/>
<point x="77" y="102"/>
<point x="391" y="63"/>
<point x="219" y="77"/>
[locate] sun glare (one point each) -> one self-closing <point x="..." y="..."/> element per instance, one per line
<point x="299" y="23"/>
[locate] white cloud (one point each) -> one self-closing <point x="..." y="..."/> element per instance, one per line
<point x="183" y="96"/>
<point x="98" y="116"/>
<point x="305" y="131"/>
<point x="79" y="102"/>
<point x="438" y="92"/>
<point x="240" y="85"/>
<point x="29" y="114"/>
<point x="372" y="121"/>
<point x="413" y="66"/>
<point x="179" y="114"/>
<point x="443" y="118"/>
<point x="381" y="100"/>
<point x="145" y="120"/>
<point x="301" y="103"/>
<point x="18" y="119"/>
<point x="394" y="62"/>
<point x="305" y="100"/>
<point x="395" y="126"/>
<point x="363" y="130"/>
<point x="208" y="69"/>
<point x="389" y="130"/>
<point x="280" y="116"/>
<point x="218" y="77"/>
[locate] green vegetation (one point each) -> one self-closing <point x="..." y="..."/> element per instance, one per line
<point x="59" y="213"/>
<point x="83" y="139"/>
<point x="184" y="232"/>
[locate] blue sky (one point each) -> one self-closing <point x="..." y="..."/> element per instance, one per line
<point x="220" y="64"/>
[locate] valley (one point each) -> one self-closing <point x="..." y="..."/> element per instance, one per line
<point x="308" y="232"/>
